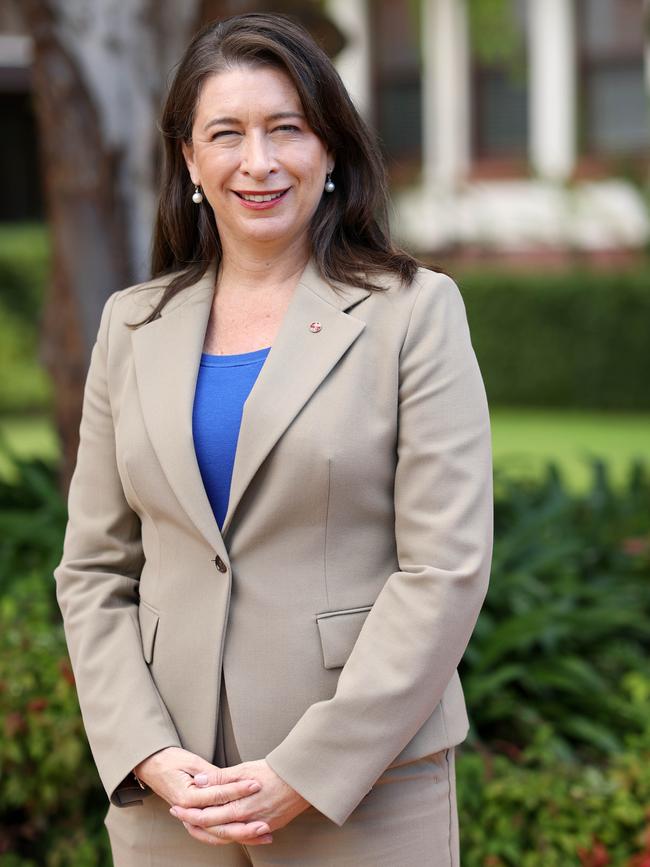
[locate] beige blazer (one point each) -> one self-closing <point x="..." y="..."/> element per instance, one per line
<point x="344" y="586"/>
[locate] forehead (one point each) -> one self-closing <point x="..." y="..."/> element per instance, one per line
<point x="243" y="89"/>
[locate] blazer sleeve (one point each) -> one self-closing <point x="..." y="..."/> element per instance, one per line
<point x="422" y="620"/>
<point x="97" y="590"/>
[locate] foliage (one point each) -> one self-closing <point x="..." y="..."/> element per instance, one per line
<point x="567" y="614"/>
<point x="32" y="521"/>
<point x="544" y="811"/>
<point x="495" y="36"/>
<point x="558" y="770"/>
<point x="49" y="796"/>
<point x="50" y="802"/>
<point x="24" y="261"/>
<point x="24" y="385"/>
<point x="557" y="339"/>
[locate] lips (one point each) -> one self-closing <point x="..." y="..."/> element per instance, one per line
<point x="258" y="200"/>
<point x="260" y="195"/>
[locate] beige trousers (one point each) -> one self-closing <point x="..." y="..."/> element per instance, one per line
<point x="408" y="819"/>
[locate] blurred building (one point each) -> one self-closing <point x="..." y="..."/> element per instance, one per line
<point x="547" y="154"/>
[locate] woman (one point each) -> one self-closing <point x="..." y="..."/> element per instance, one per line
<point x="280" y="522"/>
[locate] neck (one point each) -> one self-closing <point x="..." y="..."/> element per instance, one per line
<point x="256" y="269"/>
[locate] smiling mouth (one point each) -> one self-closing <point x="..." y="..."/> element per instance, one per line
<point x="261" y="197"/>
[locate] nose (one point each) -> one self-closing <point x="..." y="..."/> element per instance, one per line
<point x="257" y="156"/>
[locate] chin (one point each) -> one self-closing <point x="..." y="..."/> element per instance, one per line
<point x="264" y="233"/>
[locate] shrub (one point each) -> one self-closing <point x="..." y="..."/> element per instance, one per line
<point x="51" y="805"/>
<point x="542" y="810"/>
<point x="566" y="616"/>
<point x="572" y="339"/>
<point x="32" y="522"/>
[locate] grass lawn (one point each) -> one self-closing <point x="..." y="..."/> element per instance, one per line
<point x="523" y="440"/>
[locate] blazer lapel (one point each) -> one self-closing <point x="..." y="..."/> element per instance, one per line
<point x="297" y="363"/>
<point x="167" y="355"/>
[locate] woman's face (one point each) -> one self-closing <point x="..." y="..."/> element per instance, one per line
<point x="250" y="138"/>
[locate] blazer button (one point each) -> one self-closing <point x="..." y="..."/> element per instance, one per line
<point x="221" y="566"/>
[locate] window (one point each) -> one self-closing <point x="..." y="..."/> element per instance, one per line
<point x="614" y="115"/>
<point x="499" y="85"/>
<point x="397" y="84"/>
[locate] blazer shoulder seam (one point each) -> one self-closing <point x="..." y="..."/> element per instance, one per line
<point x="423" y="280"/>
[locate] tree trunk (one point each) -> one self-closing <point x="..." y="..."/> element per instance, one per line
<point x="100" y="70"/>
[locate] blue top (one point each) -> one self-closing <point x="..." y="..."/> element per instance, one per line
<point x="223" y="384"/>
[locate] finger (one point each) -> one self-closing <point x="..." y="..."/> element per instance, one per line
<point x="250" y="833"/>
<point x="203" y="836"/>
<point x="215" y="816"/>
<point x="259" y="841"/>
<point x="196" y="766"/>
<point x="210" y="775"/>
<point x="219" y="795"/>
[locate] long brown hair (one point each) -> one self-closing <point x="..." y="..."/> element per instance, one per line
<point x="349" y="232"/>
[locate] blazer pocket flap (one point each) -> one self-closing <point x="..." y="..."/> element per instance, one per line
<point x="148" y="618"/>
<point x="339" y="631"/>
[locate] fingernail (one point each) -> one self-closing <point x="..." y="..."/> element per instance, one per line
<point x="262" y="829"/>
<point x="201" y="779"/>
<point x="172" y="810"/>
<point x="268" y="839"/>
<point x="254" y="787"/>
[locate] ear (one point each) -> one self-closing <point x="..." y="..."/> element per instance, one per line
<point x="188" y="155"/>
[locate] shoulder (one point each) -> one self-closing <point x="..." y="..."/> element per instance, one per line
<point x="143" y="295"/>
<point x="132" y="305"/>
<point x="427" y="296"/>
<point x="433" y="286"/>
<point x="426" y="282"/>
<point x="437" y="317"/>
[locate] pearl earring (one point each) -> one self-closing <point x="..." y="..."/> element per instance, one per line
<point x="197" y="198"/>
<point x="330" y="186"/>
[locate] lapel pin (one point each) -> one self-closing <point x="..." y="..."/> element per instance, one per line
<point x="315" y="327"/>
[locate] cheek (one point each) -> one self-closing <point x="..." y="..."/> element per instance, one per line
<point x="312" y="173"/>
<point x="215" y="166"/>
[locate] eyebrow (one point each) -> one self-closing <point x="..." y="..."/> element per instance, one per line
<point x="279" y="115"/>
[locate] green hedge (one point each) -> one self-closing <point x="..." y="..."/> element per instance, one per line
<point x="557" y="770"/>
<point x="577" y="338"/>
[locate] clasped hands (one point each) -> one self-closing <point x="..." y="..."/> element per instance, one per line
<point x="241" y="804"/>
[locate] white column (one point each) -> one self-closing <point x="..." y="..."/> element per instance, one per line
<point x="552" y="87"/>
<point x="445" y="93"/>
<point x="353" y="63"/>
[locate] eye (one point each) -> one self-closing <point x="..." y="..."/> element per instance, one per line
<point x="222" y="133"/>
<point x="287" y="127"/>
